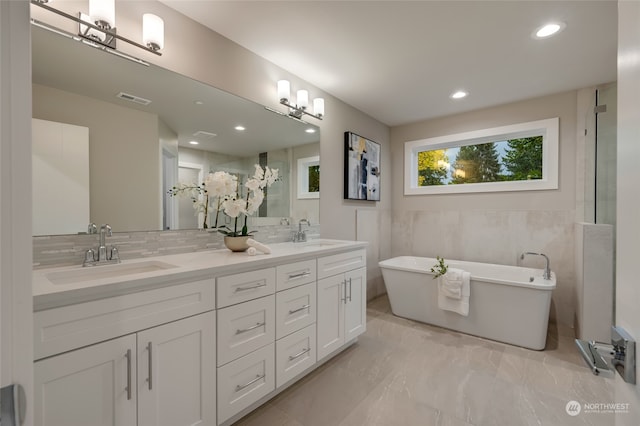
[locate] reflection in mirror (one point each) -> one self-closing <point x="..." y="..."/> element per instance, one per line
<point x="148" y="129"/>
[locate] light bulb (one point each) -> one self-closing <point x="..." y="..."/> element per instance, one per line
<point x="302" y="99"/>
<point x="103" y="13"/>
<point x="318" y="107"/>
<point x="152" y="31"/>
<point x="284" y="90"/>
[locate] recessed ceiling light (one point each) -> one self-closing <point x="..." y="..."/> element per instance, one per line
<point x="194" y="142"/>
<point x="239" y="128"/>
<point x="549" y="30"/>
<point x="459" y="94"/>
<point x="198" y="102"/>
<point x="310" y="130"/>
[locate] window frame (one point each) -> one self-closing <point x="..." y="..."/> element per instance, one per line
<point x="547" y="128"/>
<point x="303" y="177"/>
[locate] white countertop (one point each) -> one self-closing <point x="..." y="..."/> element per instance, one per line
<point x="167" y="270"/>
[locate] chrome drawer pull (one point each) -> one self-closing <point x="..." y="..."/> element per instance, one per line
<point x="299" y="354"/>
<point x="258" y="377"/>
<point x="250" y="288"/>
<point x="253" y="327"/>
<point x="149" y="348"/>
<point x="128" y="356"/>
<point x="299" y="309"/>
<point x="300" y="275"/>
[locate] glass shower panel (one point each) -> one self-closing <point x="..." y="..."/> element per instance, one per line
<point x="605" y="191"/>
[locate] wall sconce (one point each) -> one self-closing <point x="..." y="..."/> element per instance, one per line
<point x="99" y="26"/>
<point x="302" y="98"/>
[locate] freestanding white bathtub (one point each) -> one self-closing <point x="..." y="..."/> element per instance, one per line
<point x="507" y="303"/>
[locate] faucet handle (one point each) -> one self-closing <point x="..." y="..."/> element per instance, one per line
<point x="92" y="228"/>
<point x="114" y="255"/>
<point x="89" y="257"/>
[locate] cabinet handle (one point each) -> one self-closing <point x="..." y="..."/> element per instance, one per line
<point x="128" y="356"/>
<point x="344" y="291"/>
<point x="349" y="289"/>
<point x="250" y="288"/>
<point x="253" y="327"/>
<point x="299" y="309"/>
<point x="149" y="346"/>
<point x="300" y="275"/>
<point x="299" y="354"/>
<point x="258" y="377"/>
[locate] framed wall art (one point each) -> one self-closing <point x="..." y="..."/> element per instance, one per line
<point x="361" y="168"/>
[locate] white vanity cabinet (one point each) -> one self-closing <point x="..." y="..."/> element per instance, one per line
<point x="200" y="347"/>
<point x="342" y="300"/>
<point x="161" y="376"/>
<point x="144" y="358"/>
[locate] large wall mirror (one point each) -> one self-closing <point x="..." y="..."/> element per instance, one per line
<point x="112" y="136"/>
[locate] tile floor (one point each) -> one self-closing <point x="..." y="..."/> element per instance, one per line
<point x="406" y="373"/>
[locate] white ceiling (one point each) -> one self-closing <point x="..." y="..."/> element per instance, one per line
<point x="399" y="61"/>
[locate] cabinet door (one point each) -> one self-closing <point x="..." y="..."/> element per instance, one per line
<point x="330" y="314"/>
<point x="355" y="314"/>
<point x="93" y="386"/>
<point x="176" y="373"/>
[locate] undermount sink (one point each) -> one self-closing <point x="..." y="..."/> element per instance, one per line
<point x="321" y="243"/>
<point x="106" y="271"/>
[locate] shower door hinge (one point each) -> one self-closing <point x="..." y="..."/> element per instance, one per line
<point x="599" y="109"/>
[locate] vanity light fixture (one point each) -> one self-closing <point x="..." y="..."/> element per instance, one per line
<point x="302" y="98"/>
<point x="548" y="30"/>
<point x="98" y="28"/>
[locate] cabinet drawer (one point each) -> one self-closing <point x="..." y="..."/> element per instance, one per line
<point x="70" y="327"/>
<point x="295" y="309"/>
<point x="245" y="327"/>
<point x="343" y="262"/>
<point x="294" y="354"/>
<point x="295" y="274"/>
<point x="244" y="381"/>
<point x="238" y="288"/>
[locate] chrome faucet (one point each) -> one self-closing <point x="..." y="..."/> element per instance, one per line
<point x="102" y="248"/>
<point x="300" y="236"/>
<point x="105" y="255"/>
<point x="547" y="269"/>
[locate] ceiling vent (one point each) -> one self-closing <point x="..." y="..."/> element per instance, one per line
<point x="133" y="98"/>
<point x="203" y="134"/>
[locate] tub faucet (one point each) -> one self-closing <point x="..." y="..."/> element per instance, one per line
<point x="547" y="269"/>
<point x="300" y="236"/>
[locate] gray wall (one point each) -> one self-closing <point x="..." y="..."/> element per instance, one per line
<point x="494" y="227"/>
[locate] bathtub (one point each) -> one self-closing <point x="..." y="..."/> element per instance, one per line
<point x="508" y="303"/>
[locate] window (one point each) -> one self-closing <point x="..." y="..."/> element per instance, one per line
<point x="309" y="177"/>
<point x="518" y="157"/>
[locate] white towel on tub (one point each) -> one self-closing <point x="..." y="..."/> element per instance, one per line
<point x="454" y="290"/>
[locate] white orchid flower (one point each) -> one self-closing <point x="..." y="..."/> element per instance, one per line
<point x="233" y="208"/>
